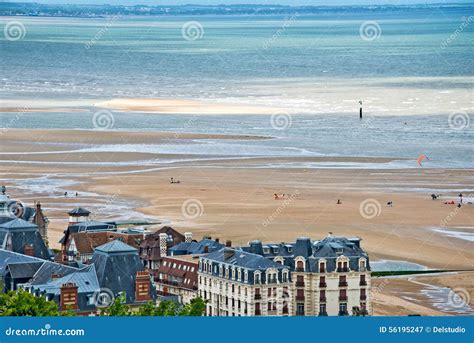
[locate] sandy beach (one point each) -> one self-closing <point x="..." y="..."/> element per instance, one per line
<point x="154" y="106"/>
<point x="235" y="198"/>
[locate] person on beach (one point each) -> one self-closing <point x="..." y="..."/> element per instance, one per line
<point x="339" y="201"/>
<point x="65" y="194"/>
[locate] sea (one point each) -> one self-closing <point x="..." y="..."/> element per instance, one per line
<point x="412" y="70"/>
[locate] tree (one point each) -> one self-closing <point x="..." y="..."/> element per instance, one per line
<point x="118" y="308"/>
<point x="22" y="303"/>
<point x="169" y="308"/>
<point x="195" y="308"/>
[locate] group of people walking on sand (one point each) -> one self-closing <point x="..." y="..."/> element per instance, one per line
<point x="449" y="202"/>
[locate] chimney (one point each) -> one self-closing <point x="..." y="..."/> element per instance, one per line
<point x="142" y="286"/>
<point x="188" y="237"/>
<point x="207" y="237"/>
<point x="228" y="244"/>
<point x="163" y="244"/>
<point x="29" y="250"/>
<point x="68" y="297"/>
<point x="217" y="240"/>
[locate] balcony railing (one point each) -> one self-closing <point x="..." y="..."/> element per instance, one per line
<point x="322" y="299"/>
<point x="343" y="298"/>
<point x="323" y="314"/>
<point x="258" y="312"/>
<point x="343" y="313"/>
<point x="322" y="284"/>
<point x="258" y="296"/>
<point x="363" y="283"/>
<point x="343" y="270"/>
<point x="363" y="297"/>
<point x="300" y="297"/>
<point x="299" y="269"/>
<point x="342" y="283"/>
<point x="299" y="283"/>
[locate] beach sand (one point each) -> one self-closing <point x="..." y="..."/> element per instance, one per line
<point x="235" y="198"/>
<point x="402" y="296"/>
<point x="157" y="106"/>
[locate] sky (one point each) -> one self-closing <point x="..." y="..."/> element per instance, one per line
<point x="228" y="2"/>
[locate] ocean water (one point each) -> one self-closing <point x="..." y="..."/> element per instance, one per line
<point x="415" y="79"/>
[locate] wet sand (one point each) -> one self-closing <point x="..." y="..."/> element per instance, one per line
<point x="402" y="296"/>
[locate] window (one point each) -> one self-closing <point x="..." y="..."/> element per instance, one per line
<point x="300" y="309"/>
<point x="322" y="309"/>
<point x="257" y="277"/>
<point x="284" y="276"/>
<point x="342" y="309"/>
<point x="299" y="266"/>
<point x="322" y="267"/>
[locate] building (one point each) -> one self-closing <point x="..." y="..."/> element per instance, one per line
<point x="79" y="222"/>
<point x="239" y="283"/>
<point x="76" y="291"/>
<point x="23" y="237"/>
<point x="81" y="245"/>
<point x="115" y="270"/>
<point x="16" y="269"/>
<point x="330" y="277"/>
<point x="120" y="270"/>
<point x="40" y="220"/>
<point x="178" y="276"/>
<point x="156" y="245"/>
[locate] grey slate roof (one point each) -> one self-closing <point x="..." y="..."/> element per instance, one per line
<point x="248" y="262"/>
<point x="80" y="211"/>
<point x="23" y="270"/>
<point x="242" y="259"/>
<point x="116" y="246"/>
<point x="191" y="248"/>
<point x="17" y="233"/>
<point x="117" y="264"/>
<point x="329" y="249"/>
<point x="85" y="279"/>
<point x="43" y="274"/>
<point x="18" y="223"/>
<point x="7" y="257"/>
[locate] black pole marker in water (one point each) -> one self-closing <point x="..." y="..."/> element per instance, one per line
<point x="360" y="109"/>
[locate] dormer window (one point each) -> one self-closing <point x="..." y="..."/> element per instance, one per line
<point x="266" y="250"/>
<point x="322" y="267"/>
<point x="257" y="277"/>
<point x="299" y="266"/>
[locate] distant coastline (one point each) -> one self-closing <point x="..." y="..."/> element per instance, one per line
<point x="98" y="11"/>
